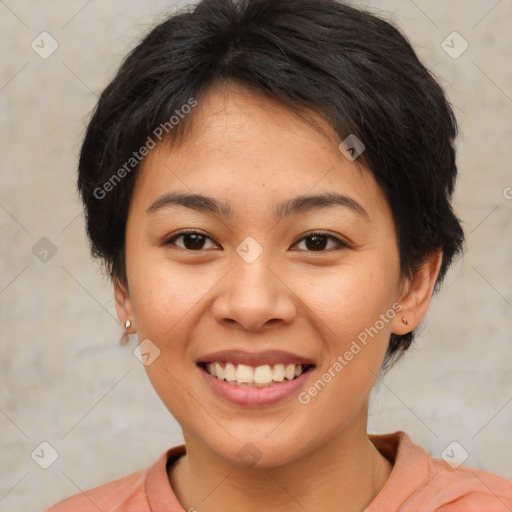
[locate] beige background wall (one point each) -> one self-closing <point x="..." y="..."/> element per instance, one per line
<point x="64" y="378"/>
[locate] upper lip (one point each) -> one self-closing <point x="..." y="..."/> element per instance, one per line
<point x="269" y="357"/>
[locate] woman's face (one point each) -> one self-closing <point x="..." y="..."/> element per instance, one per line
<point x="293" y="261"/>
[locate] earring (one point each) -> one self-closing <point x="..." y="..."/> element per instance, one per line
<point x="125" y="336"/>
<point x="405" y="321"/>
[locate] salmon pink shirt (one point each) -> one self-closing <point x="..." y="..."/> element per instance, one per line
<point x="418" y="483"/>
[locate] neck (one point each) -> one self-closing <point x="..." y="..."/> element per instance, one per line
<point x="347" y="472"/>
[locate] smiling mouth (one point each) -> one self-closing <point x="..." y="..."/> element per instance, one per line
<point x="255" y="376"/>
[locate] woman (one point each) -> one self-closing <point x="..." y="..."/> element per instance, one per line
<point x="269" y="185"/>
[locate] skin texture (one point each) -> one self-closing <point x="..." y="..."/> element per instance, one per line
<point x="248" y="151"/>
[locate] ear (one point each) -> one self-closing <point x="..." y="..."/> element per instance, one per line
<point x="123" y="303"/>
<point x="417" y="294"/>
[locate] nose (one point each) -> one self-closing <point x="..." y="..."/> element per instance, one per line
<point x="253" y="296"/>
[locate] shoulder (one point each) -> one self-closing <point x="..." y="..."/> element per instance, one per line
<point x="462" y="488"/>
<point x="105" y="497"/>
<point x="126" y="494"/>
<point x="420" y="482"/>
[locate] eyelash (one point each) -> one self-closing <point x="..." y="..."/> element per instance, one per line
<point x="339" y="243"/>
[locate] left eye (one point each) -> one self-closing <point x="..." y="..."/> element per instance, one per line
<point x="318" y="242"/>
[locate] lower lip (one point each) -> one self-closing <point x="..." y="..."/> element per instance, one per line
<point x="249" y="396"/>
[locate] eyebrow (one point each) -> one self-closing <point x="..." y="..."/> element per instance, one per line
<point x="297" y="205"/>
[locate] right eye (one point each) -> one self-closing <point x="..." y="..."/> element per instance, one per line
<point x="190" y="241"/>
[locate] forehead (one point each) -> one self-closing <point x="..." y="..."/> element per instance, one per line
<point x="245" y="147"/>
<point x="238" y="116"/>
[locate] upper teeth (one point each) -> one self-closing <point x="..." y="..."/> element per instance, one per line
<point x="244" y="374"/>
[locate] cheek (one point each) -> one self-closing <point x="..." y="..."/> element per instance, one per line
<point x="166" y="304"/>
<point x="350" y="299"/>
<point x="163" y="297"/>
<point x="346" y="309"/>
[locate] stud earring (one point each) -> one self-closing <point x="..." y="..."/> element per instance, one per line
<point x="405" y="321"/>
<point x="125" y="336"/>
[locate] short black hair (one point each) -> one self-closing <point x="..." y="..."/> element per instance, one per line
<point x="355" y="69"/>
